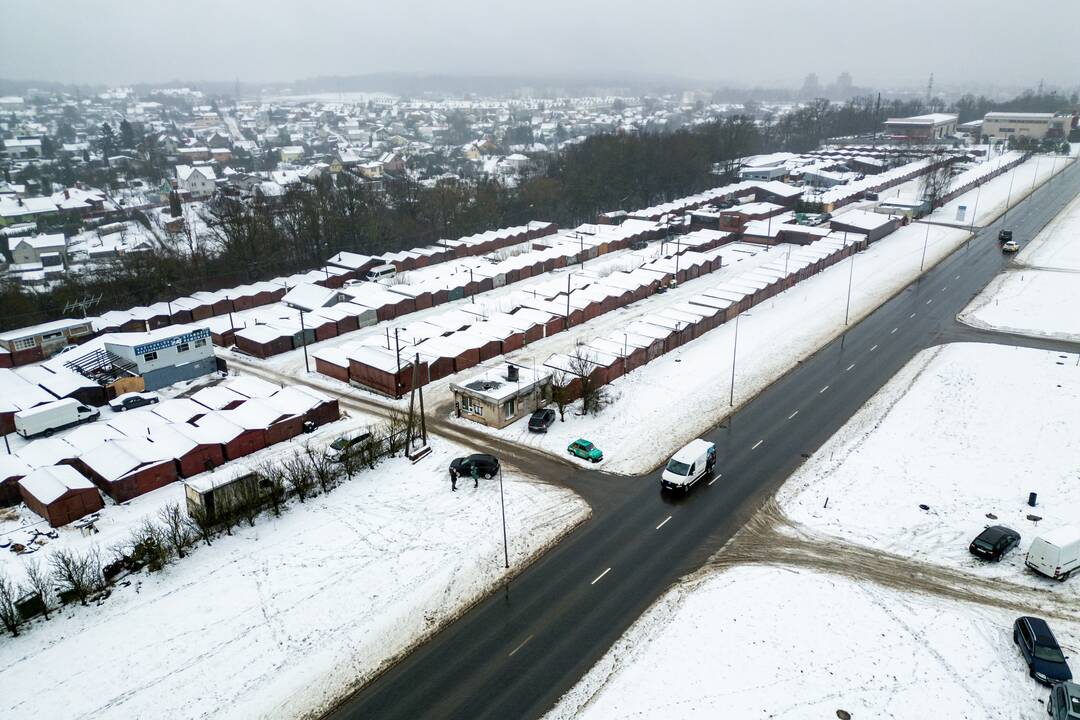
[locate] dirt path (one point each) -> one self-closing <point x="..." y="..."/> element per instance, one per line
<point x="772" y="538"/>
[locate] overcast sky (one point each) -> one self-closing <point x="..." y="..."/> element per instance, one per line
<point x="749" y="42"/>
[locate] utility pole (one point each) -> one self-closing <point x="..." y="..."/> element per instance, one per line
<point x="397" y="357"/>
<point x="303" y="336"/>
<point x="568" y="275"/>
<point x="502" y="504"/>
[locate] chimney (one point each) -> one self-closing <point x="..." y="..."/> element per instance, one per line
<point x="511" y="372"/>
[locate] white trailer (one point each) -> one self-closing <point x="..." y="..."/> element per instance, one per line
<point x="693" y="462"/>
<point x="50" y="417"/>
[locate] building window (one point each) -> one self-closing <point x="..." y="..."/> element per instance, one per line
<point x="150" y="356"/>
<point x="25" y="344"/>
<point x="182" y="347"/>
<point x="51" y="336"/>
<point x="200" y="343"/>
<point x="510" y="408"/>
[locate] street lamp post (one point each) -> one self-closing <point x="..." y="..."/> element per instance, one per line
<point x="974" y="212"/>
<point x="502" y="503"/>
<point x="926" y="242"/>
<point x="851" y="276"/>
<point x="1036" y="178"/>
<point x="1008" y="197"/>
<point x="734" y="351"/>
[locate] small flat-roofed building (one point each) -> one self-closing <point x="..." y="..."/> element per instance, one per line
<point x="167" y="355"/>
<point x="503" y="395"/>
<point x="922" y="128"/>
<point x="873" y="225"/>
<point x="60" y="494"/>
<point x="34" y="343"/>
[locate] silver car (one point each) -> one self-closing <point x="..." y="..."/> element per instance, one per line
<point x="1064" y="702"/>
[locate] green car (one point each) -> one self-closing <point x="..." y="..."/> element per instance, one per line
<point x="585" y="450"/>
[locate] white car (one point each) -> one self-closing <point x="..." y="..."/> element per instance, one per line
<point x="130" y="401"/>
<point x="1010" y="246"/>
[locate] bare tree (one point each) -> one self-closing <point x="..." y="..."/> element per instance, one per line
<point x="325" y="470"/>
<point x="150" y="545"/>
<point x="594" y="396"/>
<point x="273" y="482"/>
<point x="80" y="574"/>
<point x="300" y="476"/>
<point x="39" y="581"/>
<point x="934" y="185"/>
<point x="201" y="524"/>
<point x="9" y="613"/>
<point x="249" y="499"/>
<point x="176" y="531"/>
<point x="560" y="392"/>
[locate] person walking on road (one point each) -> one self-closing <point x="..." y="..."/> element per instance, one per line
<point x="453" y="479"/>
<point x="475" y="477"/>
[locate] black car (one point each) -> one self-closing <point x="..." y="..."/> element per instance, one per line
<point x="1045" y="661"/>
<point x="1004" y="236"/>
<point x="541" y="420"/>
<point x="487" y="466"/>
<point x="993" y="542"/>
<point x="130" y="401"/>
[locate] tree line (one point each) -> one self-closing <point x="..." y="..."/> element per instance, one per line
<point x="298" y="231"/>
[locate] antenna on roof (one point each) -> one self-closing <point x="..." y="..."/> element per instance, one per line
<point x="930" y="89"/>
<point x="82" y="305"/>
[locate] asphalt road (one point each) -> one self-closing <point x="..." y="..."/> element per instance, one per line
<point x="514" y="654"/>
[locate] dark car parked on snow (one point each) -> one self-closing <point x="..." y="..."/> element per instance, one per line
<point x="541" y="420"/>
<point x="1045" y="661"/>
<point x="487" y="466"/>
<point x="993" y="542"/>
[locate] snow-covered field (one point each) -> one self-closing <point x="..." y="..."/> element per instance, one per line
<point x="967" y="429"/>
<point x="284" y="617"/>
<point x="656" y="408"/>
<point x="768" y="642"/>
<point x="1037" y="295"/>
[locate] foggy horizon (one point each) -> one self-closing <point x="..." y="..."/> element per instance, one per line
<point x="689" y="41"/>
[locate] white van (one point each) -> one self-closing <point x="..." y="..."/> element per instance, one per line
<point x="380" y="272"/>
<point x="695" y="461"/>
<point x="1055" y="554"/>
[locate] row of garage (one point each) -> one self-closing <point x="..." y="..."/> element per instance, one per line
<point x="135" y="452"/>
<point x="429" y="350"/>
<point x="658" y="333"/>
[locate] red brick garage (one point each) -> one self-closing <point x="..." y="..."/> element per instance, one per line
<point x="60" y="494"/>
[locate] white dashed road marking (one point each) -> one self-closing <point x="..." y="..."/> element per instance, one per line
<point x="600" y="576"/>
<point x="757" y="444"/>
<point x="792" y="414"/>
<point x="520" y="646"/>
<point x="663" y="523"/>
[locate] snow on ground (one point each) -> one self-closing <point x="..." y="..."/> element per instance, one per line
<point x="1037" y="295"/>
<point x="1012" y="186"/>
<point x="680" y="395"/>
<point x="967" y="429"/>
<point x="767" y="642"/>
<point x="283" y="618"/>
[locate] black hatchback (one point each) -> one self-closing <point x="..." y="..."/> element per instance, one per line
<point x="541" y="420"/>
<point x="1045" y="661"/>
<point x="993" y="542"/>
<point x="487" y="466"/>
